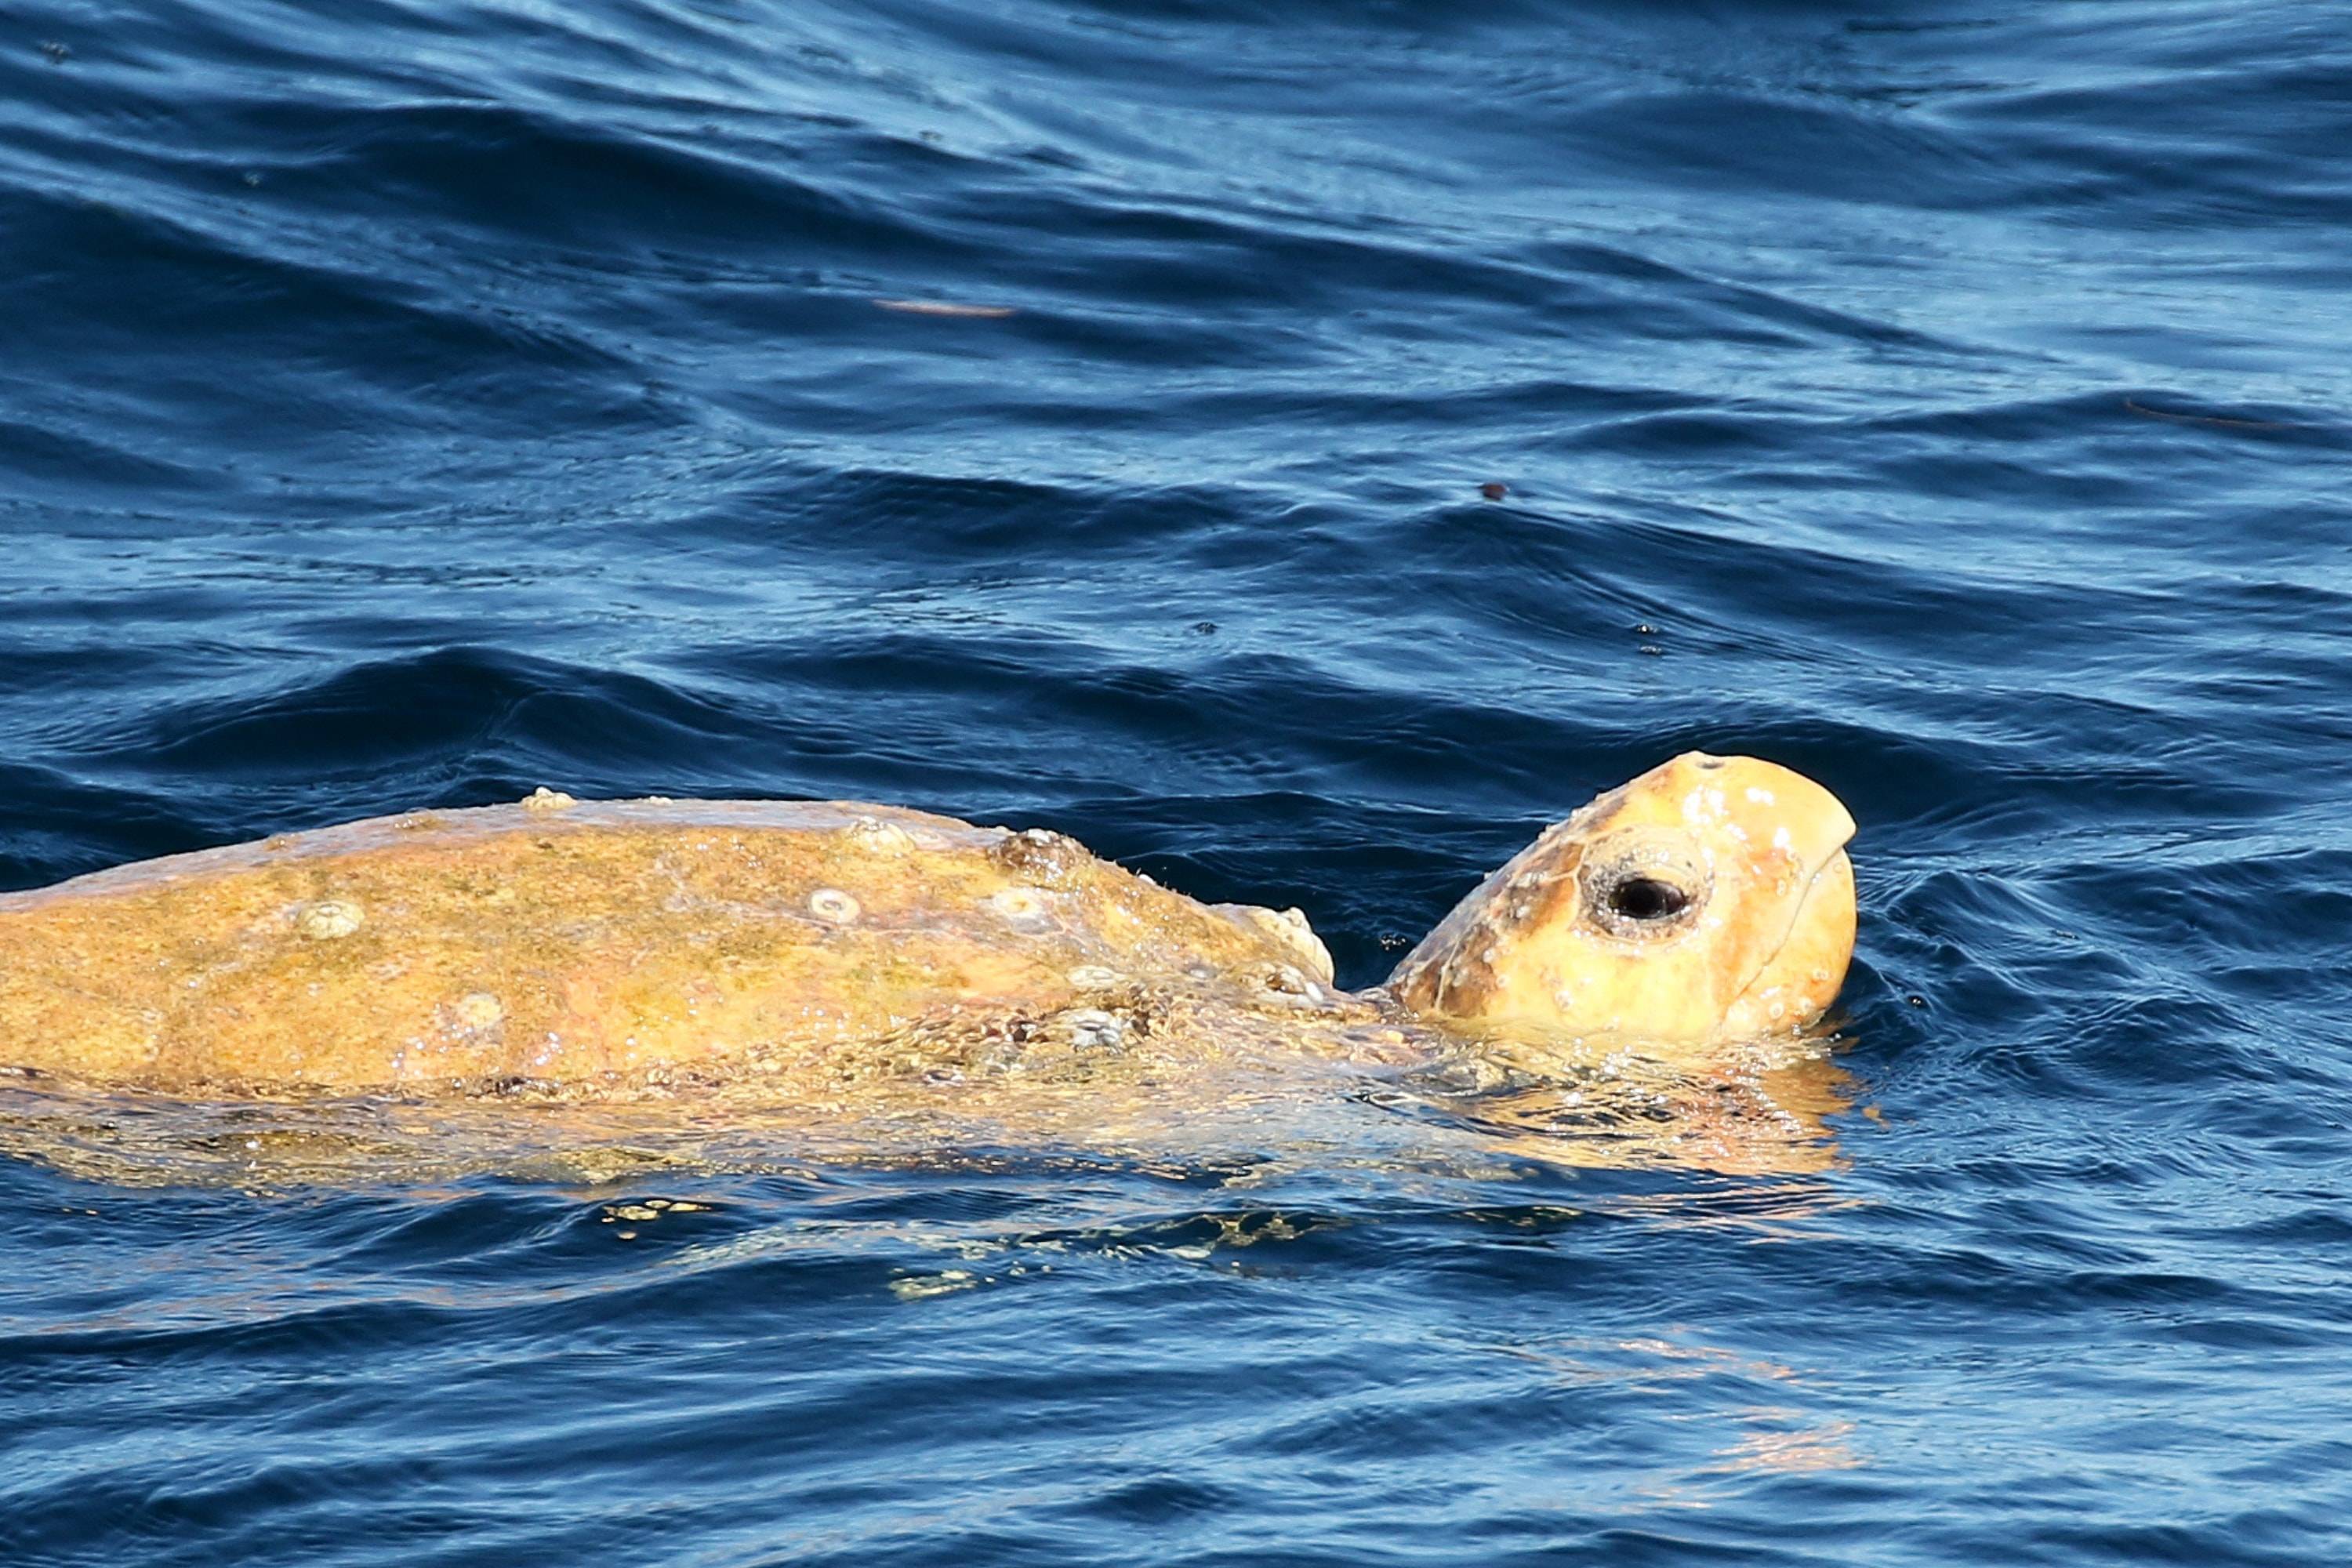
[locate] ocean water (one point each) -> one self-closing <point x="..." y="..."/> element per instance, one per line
<point x="1076" y="413"/>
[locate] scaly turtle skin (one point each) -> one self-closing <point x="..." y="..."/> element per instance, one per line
<point x="793" y="951"/>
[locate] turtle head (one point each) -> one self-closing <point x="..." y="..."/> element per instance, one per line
<point x="1709" y="900"/>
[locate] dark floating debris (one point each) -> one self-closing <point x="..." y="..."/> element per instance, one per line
<point x="1494" y="490"/>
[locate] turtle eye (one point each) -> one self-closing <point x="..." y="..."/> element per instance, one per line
<point x="1647" y="899"/>
<point x="1644" y="886"/>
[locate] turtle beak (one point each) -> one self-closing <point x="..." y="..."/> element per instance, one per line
<point x="1791" y="836"/>
<point x="1798" y="983"/>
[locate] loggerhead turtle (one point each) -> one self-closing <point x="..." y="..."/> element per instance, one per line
<point x="796" y="952"/>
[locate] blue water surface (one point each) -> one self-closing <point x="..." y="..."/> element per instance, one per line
<point x="416" y="401"/>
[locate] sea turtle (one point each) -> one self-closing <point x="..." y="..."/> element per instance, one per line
<point x="788" y="951"/>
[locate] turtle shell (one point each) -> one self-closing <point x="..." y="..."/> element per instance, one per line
<point x="591" y="946"/>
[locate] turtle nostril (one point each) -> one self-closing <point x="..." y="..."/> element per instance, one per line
<point x="1647" y="899"/>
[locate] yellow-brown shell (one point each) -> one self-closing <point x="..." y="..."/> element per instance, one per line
<point x="578" y="944"/>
